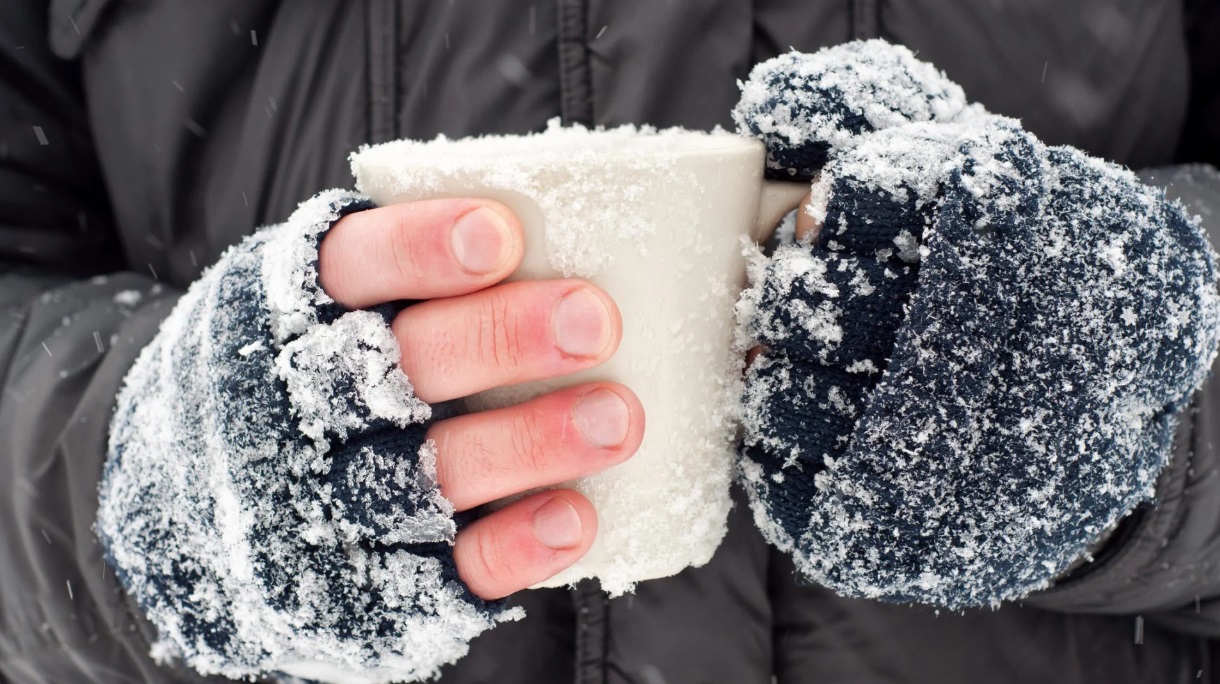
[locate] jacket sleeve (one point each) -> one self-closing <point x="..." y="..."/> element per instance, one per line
<point x="1163" y="561"/>
<point x="71" y="323"/>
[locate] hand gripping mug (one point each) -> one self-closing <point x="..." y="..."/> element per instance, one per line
<point x="656" y="218"/>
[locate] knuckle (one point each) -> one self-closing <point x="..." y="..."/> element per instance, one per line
<point x="500" y="340"/>
<point x="405" y="248"/>
<point x="528" y="439"/>
<point x="491" y="571"/>
<point x="476" y="467"/>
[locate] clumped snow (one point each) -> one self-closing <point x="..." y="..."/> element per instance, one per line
<point x="258" y="502"/>
<point x="803" y="105"/>
<point x="352" y="363"/>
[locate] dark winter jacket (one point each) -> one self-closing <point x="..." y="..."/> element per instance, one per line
<point x="182" y="128"/>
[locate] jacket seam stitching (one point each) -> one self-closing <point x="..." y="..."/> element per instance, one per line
<point x="382" y="42"/>
<point x="865" y="19"/>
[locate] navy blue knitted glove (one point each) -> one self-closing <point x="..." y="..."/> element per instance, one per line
<point x="802" y="106"/>
<point x="269" y="498"/>
<point x="976" y="367"/>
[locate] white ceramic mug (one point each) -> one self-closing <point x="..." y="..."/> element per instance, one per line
<point x="656" y="219"/>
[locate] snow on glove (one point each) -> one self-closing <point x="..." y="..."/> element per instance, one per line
<point x="270" y="499"/>
<point x="804" y="106"/>
<point x="976" y="367"/>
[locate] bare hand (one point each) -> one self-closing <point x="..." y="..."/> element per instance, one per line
<point x="474" y="335"/>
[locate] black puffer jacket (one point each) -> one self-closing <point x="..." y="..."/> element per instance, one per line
<point x="139" y="139"/>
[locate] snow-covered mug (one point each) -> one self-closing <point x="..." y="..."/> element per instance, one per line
<point x="657" y="220"/>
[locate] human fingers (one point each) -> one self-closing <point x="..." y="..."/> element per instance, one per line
<point x="510" y="333"/>
<point x="525" y="543"/>
<point x="563" y="435"/>
<point x="419" y="250"/>
<point x="806" y="225"/>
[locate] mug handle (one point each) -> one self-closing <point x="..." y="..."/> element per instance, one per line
<point x="776" y="200"/>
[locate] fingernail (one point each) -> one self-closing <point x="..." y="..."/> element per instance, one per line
<point x="557" y="524"/>
<point x="581" y="324"/>
<point x="480" y="241"/>
<point x="601" y="416"/>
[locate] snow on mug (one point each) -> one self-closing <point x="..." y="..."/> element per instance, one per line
<point x="656" y="219"/>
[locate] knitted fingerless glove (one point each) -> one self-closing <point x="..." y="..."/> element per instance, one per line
<point x="269" y="499"/>
<point x="977" y="366"/>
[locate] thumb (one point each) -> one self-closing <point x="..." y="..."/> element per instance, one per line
<point x="807" y="226"/>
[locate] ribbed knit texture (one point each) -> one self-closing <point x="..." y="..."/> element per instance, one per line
<point x="871" y="267"/>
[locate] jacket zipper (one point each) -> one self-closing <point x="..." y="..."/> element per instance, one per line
<point x="592" y="632"/>
<point x="575" y="78"/>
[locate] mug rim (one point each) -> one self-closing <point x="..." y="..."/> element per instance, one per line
<point x="573" y="145"/>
